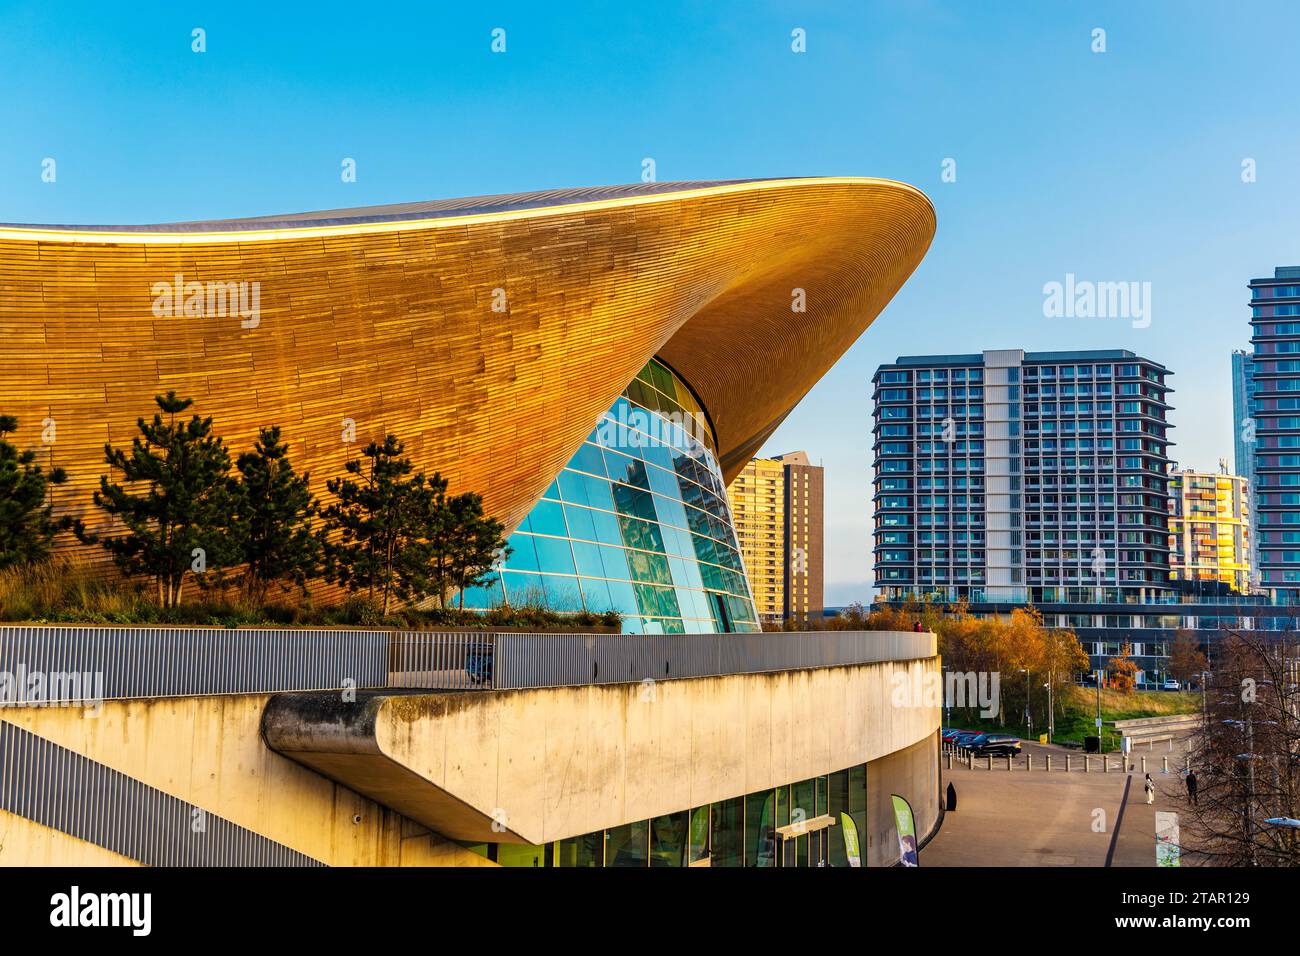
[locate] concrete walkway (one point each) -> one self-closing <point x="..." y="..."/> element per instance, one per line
<point x="1035" y="818"/>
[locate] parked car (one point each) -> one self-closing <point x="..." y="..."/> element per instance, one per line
<point x="964" y="738"/>
<point x="995" y="745"/>
<point x="1171" y="684"/>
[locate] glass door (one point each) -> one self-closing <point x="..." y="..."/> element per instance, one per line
<point x="819" y="847"/>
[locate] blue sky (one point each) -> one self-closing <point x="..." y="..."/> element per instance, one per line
<point x="1116" y="166"/>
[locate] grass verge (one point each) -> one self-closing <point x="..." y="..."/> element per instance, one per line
<point x="1077" y="714"/>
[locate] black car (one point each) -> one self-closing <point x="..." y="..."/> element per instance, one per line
<point x="994" y="745"/>
<point x="965" y="737"/>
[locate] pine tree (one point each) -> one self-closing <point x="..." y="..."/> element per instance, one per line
<point x="423" y="564"/>
<point x="402" y="537"/>
<point x="455" y="546"/>
<point x="375" y="520"/>
<point x="181" y="520"/>
<point x="273" y="515"/>
<point x="27" y="522"/>
<point x="477" y="545"/>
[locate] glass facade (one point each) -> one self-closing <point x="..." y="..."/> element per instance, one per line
<point x="812" y="823"/>
<point x="1276" y="433"/>
<point x="637" y="522"/>
<point x="1243" y="413"/>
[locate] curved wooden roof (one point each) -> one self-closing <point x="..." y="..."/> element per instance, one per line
<point x="488" y="333"/>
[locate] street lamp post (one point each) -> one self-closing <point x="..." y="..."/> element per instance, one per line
<point x="1051" y="711"/>
<point x="1029" y="719"/>
<point x="1248" y="758"/>
<point x="1250" y="788"/>
<point x="1291" y="826"/>
<point x="1097" y="680"/>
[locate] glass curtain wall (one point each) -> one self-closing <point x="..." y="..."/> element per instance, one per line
<point x="817" y="822"/>
<point x="637" y="522"/>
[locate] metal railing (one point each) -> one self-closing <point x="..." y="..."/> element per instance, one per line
<point x="443" y="660"/>
<point x="501" y="661"/>
<point x="1091" y="595"/>
<point x="66" y="665"/>
<point x="46" y="665"/>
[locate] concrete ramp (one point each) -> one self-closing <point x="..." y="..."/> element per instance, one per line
<point x="543" y="764"/>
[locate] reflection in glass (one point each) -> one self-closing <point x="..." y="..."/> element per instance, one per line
<point x="741" y="831"/>
<point x="760" y="829"/>
<point x="627" y="845"/>
<point x="804" y="806"/>
<point x="520" y="854"/>
<point x="668" y="840"/>
<point x="663" y="497"/>
<point x="838" y="803"/>
<point x="587" y="850"/>
<point x="697" y="839"/>
<point x="727" y="833"/>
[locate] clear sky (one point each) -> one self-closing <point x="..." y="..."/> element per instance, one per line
<point x="1117" y="166"/>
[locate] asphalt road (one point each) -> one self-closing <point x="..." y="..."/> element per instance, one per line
<point x="1036" y="818"/>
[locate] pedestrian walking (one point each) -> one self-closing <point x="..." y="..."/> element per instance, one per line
<point x="1191" y="786"/>
<point x="1150" y="789"/>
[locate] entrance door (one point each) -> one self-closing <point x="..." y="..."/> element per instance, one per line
<point x="804" y="849"/>
<point x="787" y="850"/>
<point x="819" y="847"/>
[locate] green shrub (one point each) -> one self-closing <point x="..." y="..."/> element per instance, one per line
<point x="64" y="591"/>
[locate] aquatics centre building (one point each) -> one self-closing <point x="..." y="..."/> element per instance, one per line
<point x="598" y="363"/>
<point x="494" y="336"/>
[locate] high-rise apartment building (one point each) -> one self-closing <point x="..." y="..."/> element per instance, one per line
<point x="1209" y="528"/>
<point x="757" y="499"/>
<point x="1243" y="414"/>
<point x="1243" y="443"/>
<point x="1015" y="476"/>
<point x="1275" y="323"/>
<point x="777" y="506"/>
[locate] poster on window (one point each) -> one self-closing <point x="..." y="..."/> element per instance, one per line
<point x="906" y="828"/>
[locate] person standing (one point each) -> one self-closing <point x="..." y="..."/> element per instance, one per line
<point x="1151" y="790"/>
<point x="1191" y="786"/>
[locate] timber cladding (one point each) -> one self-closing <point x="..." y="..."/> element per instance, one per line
<point x="490" y="343"/>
